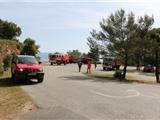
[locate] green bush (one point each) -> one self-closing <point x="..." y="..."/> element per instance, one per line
<point x="118" y="74"/>
<point x="7" y="62"/>
<point x="1" y="70"/>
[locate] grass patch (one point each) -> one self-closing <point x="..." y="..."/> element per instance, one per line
<point x="139" y="80"/>
<point x="12" y="98"/>
<point x="8" y="42"/>
<point x="107" y="76"/>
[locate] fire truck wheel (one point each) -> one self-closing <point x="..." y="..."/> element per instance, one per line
<point x="104" y="68"/>
<point x="58" y="63"/>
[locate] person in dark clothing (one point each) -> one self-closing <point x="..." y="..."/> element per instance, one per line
<point x="95" y="64"/>
<point x="79" y="65"/>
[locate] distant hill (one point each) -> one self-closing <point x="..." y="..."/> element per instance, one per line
<point x="43" y="56"/>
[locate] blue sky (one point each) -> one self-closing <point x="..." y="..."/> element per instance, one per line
<point x="62" y="25"/>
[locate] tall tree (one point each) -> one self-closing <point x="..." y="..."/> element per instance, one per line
<point x="141" y="42"/>
<point x="99" y="42"/>
<point x="94" y="48"/>
<point x="155" y="37"/>
<point x="30" y="47"/>
<point x="9" y="30"/>
<point x="118" y="32"/>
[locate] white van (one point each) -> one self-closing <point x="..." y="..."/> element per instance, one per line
<point x="110" y="63"/>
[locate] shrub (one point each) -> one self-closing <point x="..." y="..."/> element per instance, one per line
<point x="1" y="70"/>
<point x="7" y="62"/>
<point x="118" y="74"/>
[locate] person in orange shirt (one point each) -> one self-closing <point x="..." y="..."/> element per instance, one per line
<point x="89" y="67"/>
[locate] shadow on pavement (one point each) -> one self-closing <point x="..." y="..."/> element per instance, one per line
<point x="94" y="79"/>
<point x="48" y="64"/>
<point x="76" y="78"/>
<point x="8" y="82"/>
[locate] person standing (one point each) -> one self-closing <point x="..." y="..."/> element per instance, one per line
<point x="89" y="67"/>
<point x="79" y="65"/>
<point x="95" y="64"/>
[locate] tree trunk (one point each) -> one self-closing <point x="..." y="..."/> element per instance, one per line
<point x="157" y="67"/>
<point x="125" y="66"/>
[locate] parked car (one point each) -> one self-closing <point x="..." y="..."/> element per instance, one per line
<point x="148" y="68"/>
<point x="26" y="67"/>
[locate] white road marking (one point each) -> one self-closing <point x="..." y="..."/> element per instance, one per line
<point x="136" y="94"/>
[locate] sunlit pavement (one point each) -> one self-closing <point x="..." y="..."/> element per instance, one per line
<point x="67" y="94"/>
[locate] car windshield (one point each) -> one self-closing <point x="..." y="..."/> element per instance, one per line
<point x="27" y="60"/>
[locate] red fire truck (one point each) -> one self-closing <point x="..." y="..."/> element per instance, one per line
<point x="59" y="59"/>
<point x="86" y="59"/>
<point x="72" y="59"/>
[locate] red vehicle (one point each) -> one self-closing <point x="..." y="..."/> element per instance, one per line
<point x="58" y="59"/>
<point x="85" y="60"/>
<point x="26" y="67"/>
<point x="72" y="59"/>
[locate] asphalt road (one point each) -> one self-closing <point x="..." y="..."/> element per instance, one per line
<point x="67" y="94"/>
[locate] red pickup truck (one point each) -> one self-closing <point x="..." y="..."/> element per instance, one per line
<point x="26" y="67"/>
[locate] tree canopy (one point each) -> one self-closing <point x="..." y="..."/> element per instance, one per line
<point x="9" y="30"/>
<point x="154" y="35"/>
<point x="30" y="47"/>
<point x="118" y="30"/>
<point x="141" y="42"/>
<point x="74" y="53"/>
<point x="94" y="48"/>
<point x="122" y="36"/>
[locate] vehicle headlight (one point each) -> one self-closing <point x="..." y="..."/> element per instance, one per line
<point x="41" y="69"/>
<point x="21" y="70"/>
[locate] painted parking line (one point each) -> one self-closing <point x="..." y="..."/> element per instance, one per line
<point x="134" y="92"/>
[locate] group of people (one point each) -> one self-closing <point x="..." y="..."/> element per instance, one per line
<point x="89" y="66"/>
